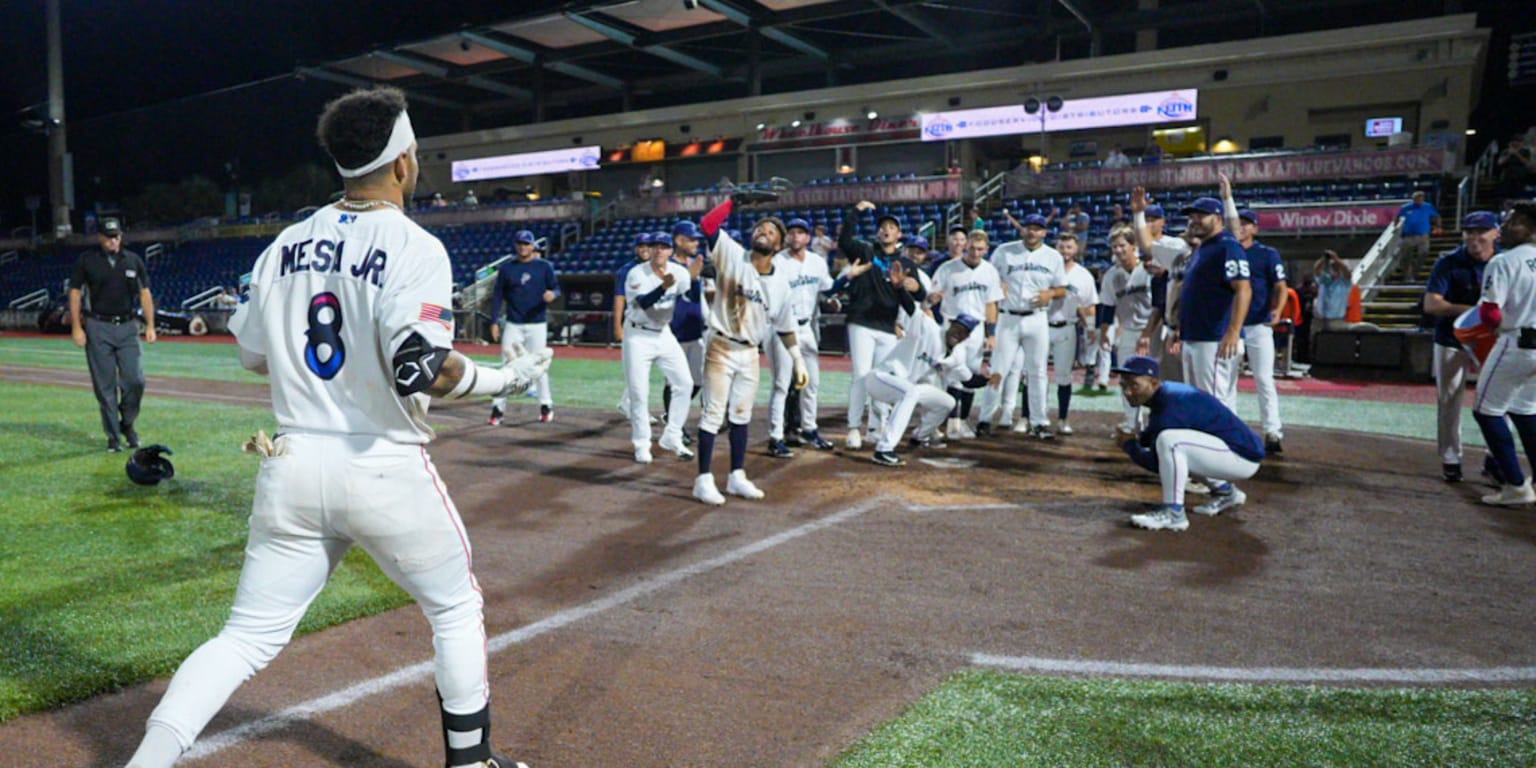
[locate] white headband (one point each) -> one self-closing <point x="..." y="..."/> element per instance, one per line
<point x="400" y="139"/>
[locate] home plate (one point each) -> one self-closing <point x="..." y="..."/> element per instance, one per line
<point x="947" y="462"/>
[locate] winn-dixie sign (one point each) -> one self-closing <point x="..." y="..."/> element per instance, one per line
<point x="1326" y="218"/>
<point x="930" y="190"/>
<point x="1202" y="173"/>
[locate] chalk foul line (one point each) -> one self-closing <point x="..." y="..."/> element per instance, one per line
<point x="423" y="670"/>
<point x="1258" y="674"/>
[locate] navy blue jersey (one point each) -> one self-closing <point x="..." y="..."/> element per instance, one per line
<point x="1458" y="278"/>
<point x="520" y="285"/>
<point x="619" y="276"/>
<point x="1180" y="406"/>
<point x="688" y="314"/>
<point x="1205" y="304"/>
<point x="1265" y="269"/>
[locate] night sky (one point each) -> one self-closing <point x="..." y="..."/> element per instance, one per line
<point x="138" y="74"/>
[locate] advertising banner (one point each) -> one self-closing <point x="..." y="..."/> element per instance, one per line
<point x="1252" y="170"/>
<point x="1305" y="220"/>
<point x="1075" y="115"/>
<point x="528" y="164"/>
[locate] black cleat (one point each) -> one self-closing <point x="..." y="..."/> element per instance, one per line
<point x="546" y="413"/>
<point x="1451" y="472"/>
<point x="814" y="439"/>
<point x="132" y="436"/>
<point x="1272" y="446"/>
<point x="983" y="429"/>
<point x="889" y="459"/>
<point x="496" y="416"/>
<point x="778" y="450"/>
<point x="113" y="446"/>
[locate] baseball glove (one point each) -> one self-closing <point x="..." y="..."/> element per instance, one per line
<point x="743" y="197"/>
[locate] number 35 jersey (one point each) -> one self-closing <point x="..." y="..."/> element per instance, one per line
<point x="330" y="302"/>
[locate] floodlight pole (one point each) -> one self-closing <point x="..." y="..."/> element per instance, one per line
<point x="58" y="148"/>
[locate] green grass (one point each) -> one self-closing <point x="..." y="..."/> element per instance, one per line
<point x="104" y="583"/>
<point x="982" y="718"/>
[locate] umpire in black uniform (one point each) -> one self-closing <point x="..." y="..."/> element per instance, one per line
<point x="104" y="324"/>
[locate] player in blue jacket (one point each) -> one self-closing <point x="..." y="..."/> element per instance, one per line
<point x="1189" y="433"/>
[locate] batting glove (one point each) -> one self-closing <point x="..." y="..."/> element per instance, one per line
<point x="523" y="371"/>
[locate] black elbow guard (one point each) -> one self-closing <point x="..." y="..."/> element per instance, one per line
<point x="417" y="365"/>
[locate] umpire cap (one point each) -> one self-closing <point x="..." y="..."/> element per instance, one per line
<point x="147" y="466"/>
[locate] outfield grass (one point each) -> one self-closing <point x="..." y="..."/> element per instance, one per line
<point x="982" y="719"/>
<point x="104" y="583"/>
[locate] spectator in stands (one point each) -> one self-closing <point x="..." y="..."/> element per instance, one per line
<point x="1077" y="221"/>
<point x="1117" y="159"/>
<point x="822" y="244"/>
<point x="1454" y="286"/>
<point x="1514" y="168"/>
<point x="977" y="221"/>
<point x="229" y="299"/>
<point x="1334" y="284"/>
<point x="1117" y="217"/>
<point x="1307" y="300"/>
<point x="957" y="245"/>
<point x="1418" y="220"/>
<point x="107" y="283"/>
<point x="470" y="201"/>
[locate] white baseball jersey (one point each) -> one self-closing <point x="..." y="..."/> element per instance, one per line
<point x="1168" y="249"/>
<point x="1026" y="273"/>
<point x="1509" y="281"/>
<point x="642" y="280"/>
<point x="1081" y="292"/>
<point x="746" y="305"/>
<point x="1130" y="293"/>
<point x="331" y="300"/>
<point x="920" y="357"/>
<point x="807" y="279"/>
<point x="967" y="290"/>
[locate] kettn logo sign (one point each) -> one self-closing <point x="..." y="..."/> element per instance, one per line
<point x="1176" y="107"/>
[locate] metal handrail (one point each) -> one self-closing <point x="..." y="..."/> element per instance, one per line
<point x="984" y="192"/>
<point x="1466" y="196"/>
<point x="10" y="256"/>
<point x="35" y="299"/>
<point x="203" y="298"/>
<point x="1378" y="261"/>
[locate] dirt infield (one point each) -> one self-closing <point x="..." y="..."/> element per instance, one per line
<point x="632" y="626"/>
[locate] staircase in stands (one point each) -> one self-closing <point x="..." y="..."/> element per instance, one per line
<point x="1398" y="302"/>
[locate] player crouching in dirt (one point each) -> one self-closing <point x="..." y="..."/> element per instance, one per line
<point x="916" y="373"/>
<point x="1189" y="433"/>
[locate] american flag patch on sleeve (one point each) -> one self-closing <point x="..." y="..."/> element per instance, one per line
<point x="436" y="314"/>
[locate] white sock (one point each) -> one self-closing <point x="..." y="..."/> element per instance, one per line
<point x="159" y="749"/>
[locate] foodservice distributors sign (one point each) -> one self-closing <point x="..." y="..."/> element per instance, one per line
<point x="528" y="164"/>
<point x="1075" y="115"/>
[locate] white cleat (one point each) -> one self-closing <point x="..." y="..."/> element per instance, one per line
<point x="643" y="455"/>
<point x="1022" y="426"/>
<point x="855" y="440"/>
<point x="1512" y="495"/>
<point x="704" y="490"/>
<point x="1064" y="429"/>
<point x="738" y="485"/>
<point x="676" y="446"/>
<point x="963" y="431"/>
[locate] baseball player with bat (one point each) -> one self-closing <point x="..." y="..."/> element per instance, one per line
<point x="349" y="316"/>
<point x="748" y="304"/>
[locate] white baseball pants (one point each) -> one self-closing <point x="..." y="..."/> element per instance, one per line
<point x="642" y="348"/>
<point x="1102" y="363"/>
<point x="783" y="378"/>
<point x="1185" y="453"/>
<point x="1507" y="383"/>
<point x="730" y="384"/>
<point x="866" y="346"/>
<point x="932" y="404"/>
<point x="1063" y="352"/>
<point x="1024" y="342"/>
<point x="527" y="337"/>
<point x="312" y="504"/>
<point x="1451" y="365"/>
<point x="1259" y="345"/>
<point x="1207" y="372"/>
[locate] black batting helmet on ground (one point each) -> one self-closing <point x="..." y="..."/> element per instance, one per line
<point x="147" y="466"/>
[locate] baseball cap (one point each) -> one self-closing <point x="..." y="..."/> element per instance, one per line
<point x="111" y="226"/>
<point x="798" y="223"/>
<point x="969" y="321"/>
<point x="642" y="238"/>
<point x="1155" y="211"/>
<point x="1480" y="220"/>
<point x="524" y="236"/>
<point x="663" y="239"/>
<point x="961" y="228"/>
<point x="917" y="241"/>
<point x="1248" y="215"/>
<point x="1203" y="205"/>
<point x="884" y="215"/>
<point x="687" y="228"/>
<point x="1035" y="220"/>
<point x="1139" y="365"/>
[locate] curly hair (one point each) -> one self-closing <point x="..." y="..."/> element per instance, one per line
<point x="355" y="128"/>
